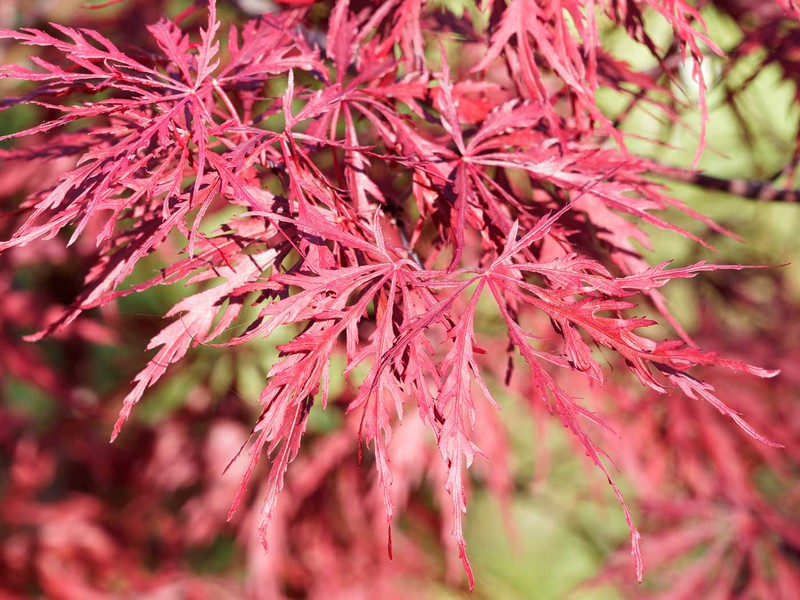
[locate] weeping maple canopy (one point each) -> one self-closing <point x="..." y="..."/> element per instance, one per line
<point x="386" y="174"/>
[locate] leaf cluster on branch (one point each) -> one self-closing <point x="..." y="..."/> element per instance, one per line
<point x="389" y="176"/>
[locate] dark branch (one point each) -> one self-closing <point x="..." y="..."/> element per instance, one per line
<point x="752" y="189"/>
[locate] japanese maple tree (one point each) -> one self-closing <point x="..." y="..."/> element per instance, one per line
<point x="385" y="186"/>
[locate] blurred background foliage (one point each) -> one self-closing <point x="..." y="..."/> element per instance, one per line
<point x="559" y="530"/>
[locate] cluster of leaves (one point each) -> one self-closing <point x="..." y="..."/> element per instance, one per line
<point x="388" y="175"/>
<point x="721" y="514"/>
<point x="148" y="516"/>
